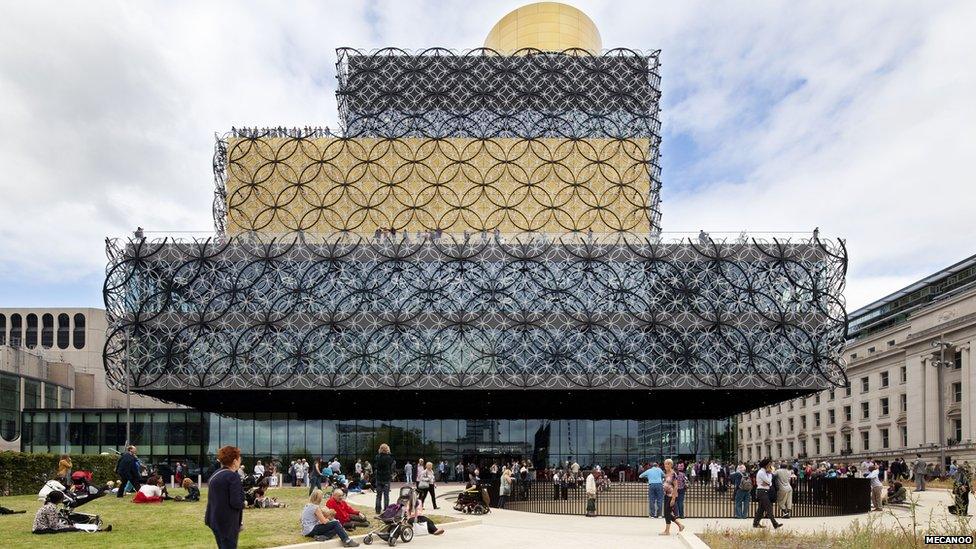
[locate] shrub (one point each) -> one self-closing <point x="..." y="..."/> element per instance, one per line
<point x="24" y="473"/>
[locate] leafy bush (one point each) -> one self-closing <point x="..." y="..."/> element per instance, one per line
<point x="23" y="473"/>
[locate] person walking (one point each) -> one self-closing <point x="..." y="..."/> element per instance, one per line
<point x="504" y="487"/>
<point x="315" y="475"/>
<point x="590" y="495"/>
<point x="225" y="499"/>
<point x="742" y="483"/>
<point x="764" y="483"/>
<point x="670" y="498"/>
<point x="128" y="470"/>
<point x="681" y="484"/>
<point x="919" y="467"/>
<point x="425" y="484"/>
<point x="655" y="490"/>
<point x="408" y="472"/>
<point x="383" y="466"/>
<point x="784" y="490"/>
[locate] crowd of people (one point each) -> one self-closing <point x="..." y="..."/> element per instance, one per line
<point x="328" y="513"/>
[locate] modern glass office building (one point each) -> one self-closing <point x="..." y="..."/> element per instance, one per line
<point x="479" y="247"/>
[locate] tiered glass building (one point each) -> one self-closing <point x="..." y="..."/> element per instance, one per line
<point x="475" y="263"/>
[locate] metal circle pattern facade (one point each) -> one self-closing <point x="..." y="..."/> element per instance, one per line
<point x="525" y="311"/>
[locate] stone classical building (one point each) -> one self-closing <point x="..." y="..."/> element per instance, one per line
<point x="891" y="406"/>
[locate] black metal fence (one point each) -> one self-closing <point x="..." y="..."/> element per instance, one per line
<point x="818" y="497"/>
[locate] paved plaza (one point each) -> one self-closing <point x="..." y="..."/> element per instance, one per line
<point x="516" y="529"/>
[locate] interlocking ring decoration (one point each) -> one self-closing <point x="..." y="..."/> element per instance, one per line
<point x="481" y="222"/>
<point x="438" y="92"/>
<point x="286" y="184"/>
<point x="449" y="141"/>
<point x="530" y="310"/>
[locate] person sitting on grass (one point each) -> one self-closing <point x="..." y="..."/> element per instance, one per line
<point x="261" y="501"/>
<point x="345" y="514"/>
<point x="321" y="524"/>
<point x="48" y="521"/>
<point x="153" y="491"/>
<point x="192" y="492"/>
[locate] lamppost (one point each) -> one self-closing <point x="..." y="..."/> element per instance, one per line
<point x="942" y="344"/>
<point x="128" y="395"/>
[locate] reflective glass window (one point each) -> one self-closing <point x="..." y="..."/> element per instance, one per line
<point x="51" y="397"/>
<point x="32" y="393"/>
<point x="9" y="407"/>
<point x="296" y="438"/>
<point x="262" y="434"/>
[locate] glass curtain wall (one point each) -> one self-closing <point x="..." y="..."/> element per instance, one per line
<point x="164" y="437"/>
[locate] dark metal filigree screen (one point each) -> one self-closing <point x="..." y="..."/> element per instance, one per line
<point x="444" y="141"/>
<point x="480" y="222"/>
<point x="485" y="313"/>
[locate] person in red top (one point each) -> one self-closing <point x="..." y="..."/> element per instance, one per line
<point x="345" y="514"/>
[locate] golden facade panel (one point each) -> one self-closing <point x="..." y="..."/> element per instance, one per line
<point x="278" y="185"/>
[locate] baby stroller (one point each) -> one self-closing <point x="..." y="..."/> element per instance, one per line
<point x="81" y="483"/>
<point x="72" y="501"/>
<point x="473" y="500"/>
<point x="396" y="520"/>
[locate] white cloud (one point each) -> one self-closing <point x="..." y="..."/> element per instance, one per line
<point x="854" y="118"/>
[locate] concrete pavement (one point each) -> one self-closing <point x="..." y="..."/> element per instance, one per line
<point x="517" y="529"/>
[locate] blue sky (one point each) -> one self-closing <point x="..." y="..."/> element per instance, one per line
<point x="778" y="116"/>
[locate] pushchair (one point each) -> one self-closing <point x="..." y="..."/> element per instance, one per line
<point x="72" y="501"/>
<point x="81" y="483"/>
<point x="396" y="520"/>
<point x="473" y="500"/>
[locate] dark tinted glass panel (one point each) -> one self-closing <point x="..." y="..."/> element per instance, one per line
<point x="47" y="331"/>
<point x="313" y="437"/>
<point x="79" y="332"/>
<point x="279" y="433"/>
<point x="3" y="329"/>
<point x="30" y="340"/>
<point x="330" y="442"/>
<point x="64" y="330"/>
<point x="296" y="438"/>
<point x="51" y="396"/>
<point x="32" y="393"/>
<point x="367" y="439"/>
<point x="245" y="434"/>
<point x="262" y="434"/>
<point x="176" y="433"/>
<point x="9" y="407"/>
<point x="228" y="432"/>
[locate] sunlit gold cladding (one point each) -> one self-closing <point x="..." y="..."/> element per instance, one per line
<point x="548" y="26"/>
<point x="279" y="185"/>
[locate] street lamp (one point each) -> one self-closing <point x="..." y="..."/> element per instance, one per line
<point x="942" y="345"/>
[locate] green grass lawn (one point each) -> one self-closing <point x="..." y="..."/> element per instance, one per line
<point x="166" y="524"/>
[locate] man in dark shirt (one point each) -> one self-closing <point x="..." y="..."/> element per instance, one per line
<point x="383" y="470"/>
<point x="225" y="499"/>
<point x="128" y="470"/>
